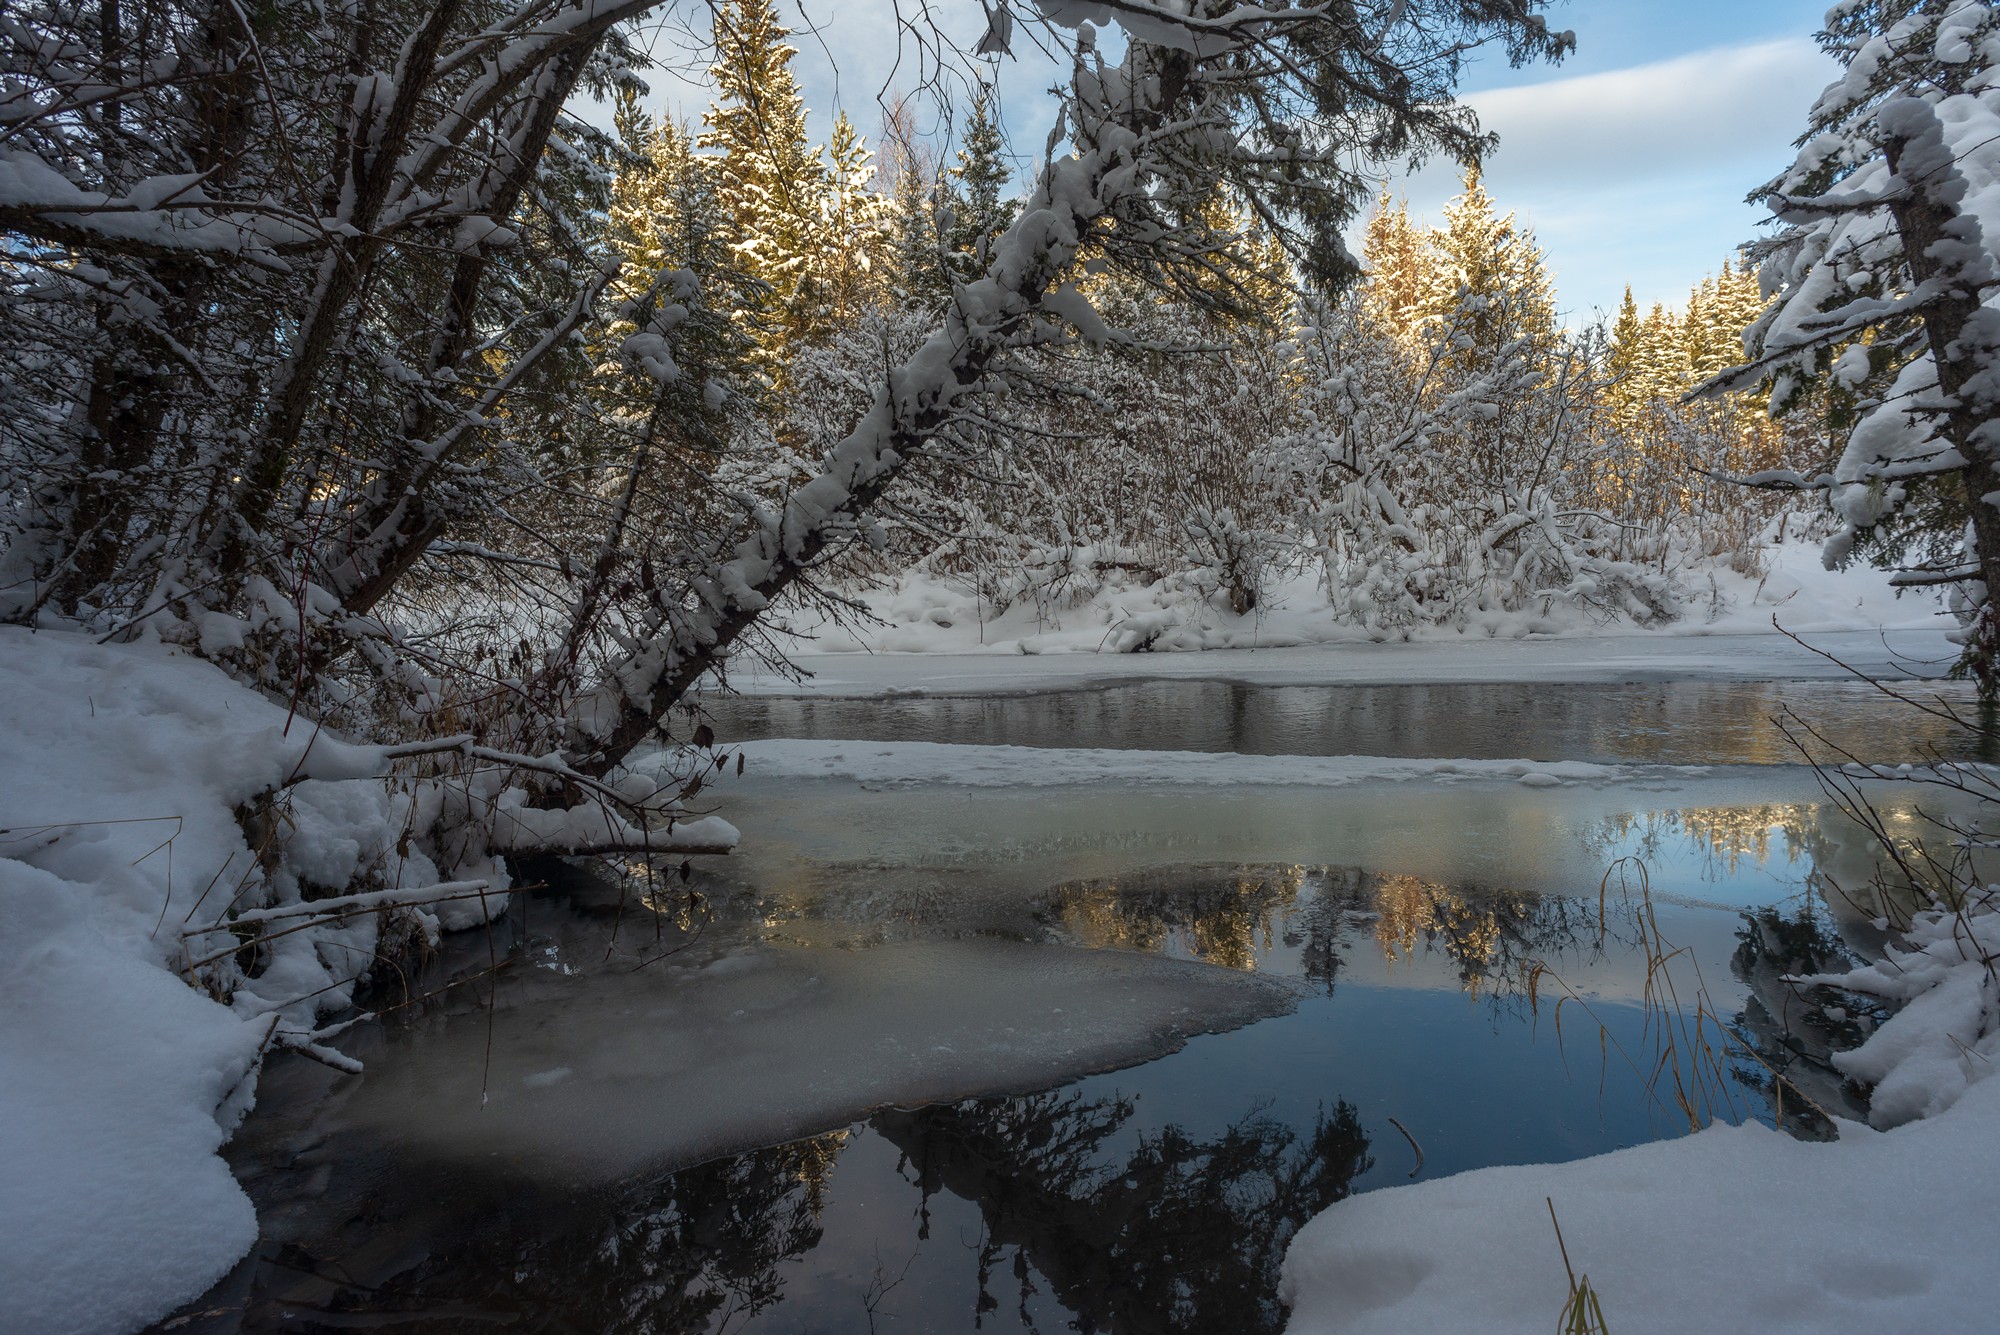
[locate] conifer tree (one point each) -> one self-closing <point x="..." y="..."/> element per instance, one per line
<point x="917" y="277"/>
<point x="979" y="204"/>
<point x="678" y="290"/>
<point x="1622" y="358"/>
<point x="858" y="228"/>
<point x="1401" y="293"/>
<point x="1484" y="255"/>
<point x="1662" y="361"/>
<point x="773" y="181"/>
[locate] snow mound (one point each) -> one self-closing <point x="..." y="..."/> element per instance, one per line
<point x="121" y="859"/>
<point x="926" y="613"/>
<point x="112" y="1076"/>
<point x="1733" y="1229"/>
<point x="1946" y="1035"/>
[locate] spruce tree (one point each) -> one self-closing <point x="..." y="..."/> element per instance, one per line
<point x="917" y="277"/>
<point x="675" y="351"/>
<point x="1622" y="360"/>
<point x="857" y="234"/>
<point x="773" y="182"/>
<point x="1401" y="292"/>
<point x="980" y="207"/>
<point x="1494" y="279"/>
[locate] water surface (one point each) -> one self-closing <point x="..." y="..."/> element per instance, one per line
<point x="1673" y="722"/>
<point x="1158" y="1197"/>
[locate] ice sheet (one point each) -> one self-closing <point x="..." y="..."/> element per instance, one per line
<point x="1733" y="655"/>
<point x="595" y="1078"/>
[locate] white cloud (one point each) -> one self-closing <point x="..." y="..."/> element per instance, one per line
<point x="1711" y="107"/>
<point x="1638" y="175"/>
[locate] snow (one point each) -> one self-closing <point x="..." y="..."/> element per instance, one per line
<point x="1732" y="1229"/>
<point x="1944" y="1039"/>
<point x="112" y="1076"/>
<point x="121" y="769"/>
<point x="931" y="636"/>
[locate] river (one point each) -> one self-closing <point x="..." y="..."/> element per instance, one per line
<point x="936" y="1053"/>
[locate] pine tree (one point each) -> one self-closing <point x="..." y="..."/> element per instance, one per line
<point x="917" y="278"/>
<point x="1401" y="292"/>
<point x="979" y="204"/>
<point x="1622" y="360"/>
<point x="1492" y="273"/>
<point x="858" y="229"/>
<point x="773" y="181"/>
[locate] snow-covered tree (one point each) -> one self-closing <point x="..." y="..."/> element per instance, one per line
<point x="1491" y="277"/>
<point x="918" y="268"/>
<point x="980" y="208"/>
<point x="1884" y="276"/>
<point x="1401" y="293"/>
<point x="857" y="230"/>
<point x="775" y="181"/>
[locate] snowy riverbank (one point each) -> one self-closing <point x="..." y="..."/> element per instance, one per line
<point x="1736" y="1228"/>
<point x="122" y="860"/>
<point x="923" y="646"/>
<point x="123" y="866"/>
<point x="930" y="614"/>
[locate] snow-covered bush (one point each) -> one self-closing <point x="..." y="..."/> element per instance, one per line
<point x="1937" y="897"/>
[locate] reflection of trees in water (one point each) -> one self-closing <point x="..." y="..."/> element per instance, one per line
<point x="1414" y="914"/>
<point x="1724" y="837"/>
<point x="1226" y="917"/>
<point x="1492" y="938"/>
<point x="1234" y="917"/>
<point x="1134" y="1231"/>
<point x="699" y="1250"/>
<point x="1792" y="1030"/>
<point x="1172" y="1234"/>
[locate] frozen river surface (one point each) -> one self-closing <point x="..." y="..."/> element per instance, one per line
<point x="970" y="1037"/>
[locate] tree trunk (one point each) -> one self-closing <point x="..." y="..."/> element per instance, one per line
<point x="1934" y="230"/>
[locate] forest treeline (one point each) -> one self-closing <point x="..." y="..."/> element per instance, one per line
<point x="1435" y="443"/>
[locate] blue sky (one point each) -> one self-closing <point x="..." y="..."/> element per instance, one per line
<point x="1630" y="159"/>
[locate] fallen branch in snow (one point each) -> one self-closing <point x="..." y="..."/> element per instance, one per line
<point x="341" y="905"/>
<point x="381" y="900"/>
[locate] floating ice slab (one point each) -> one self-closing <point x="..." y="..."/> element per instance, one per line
<point x="595" y="1078"/>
